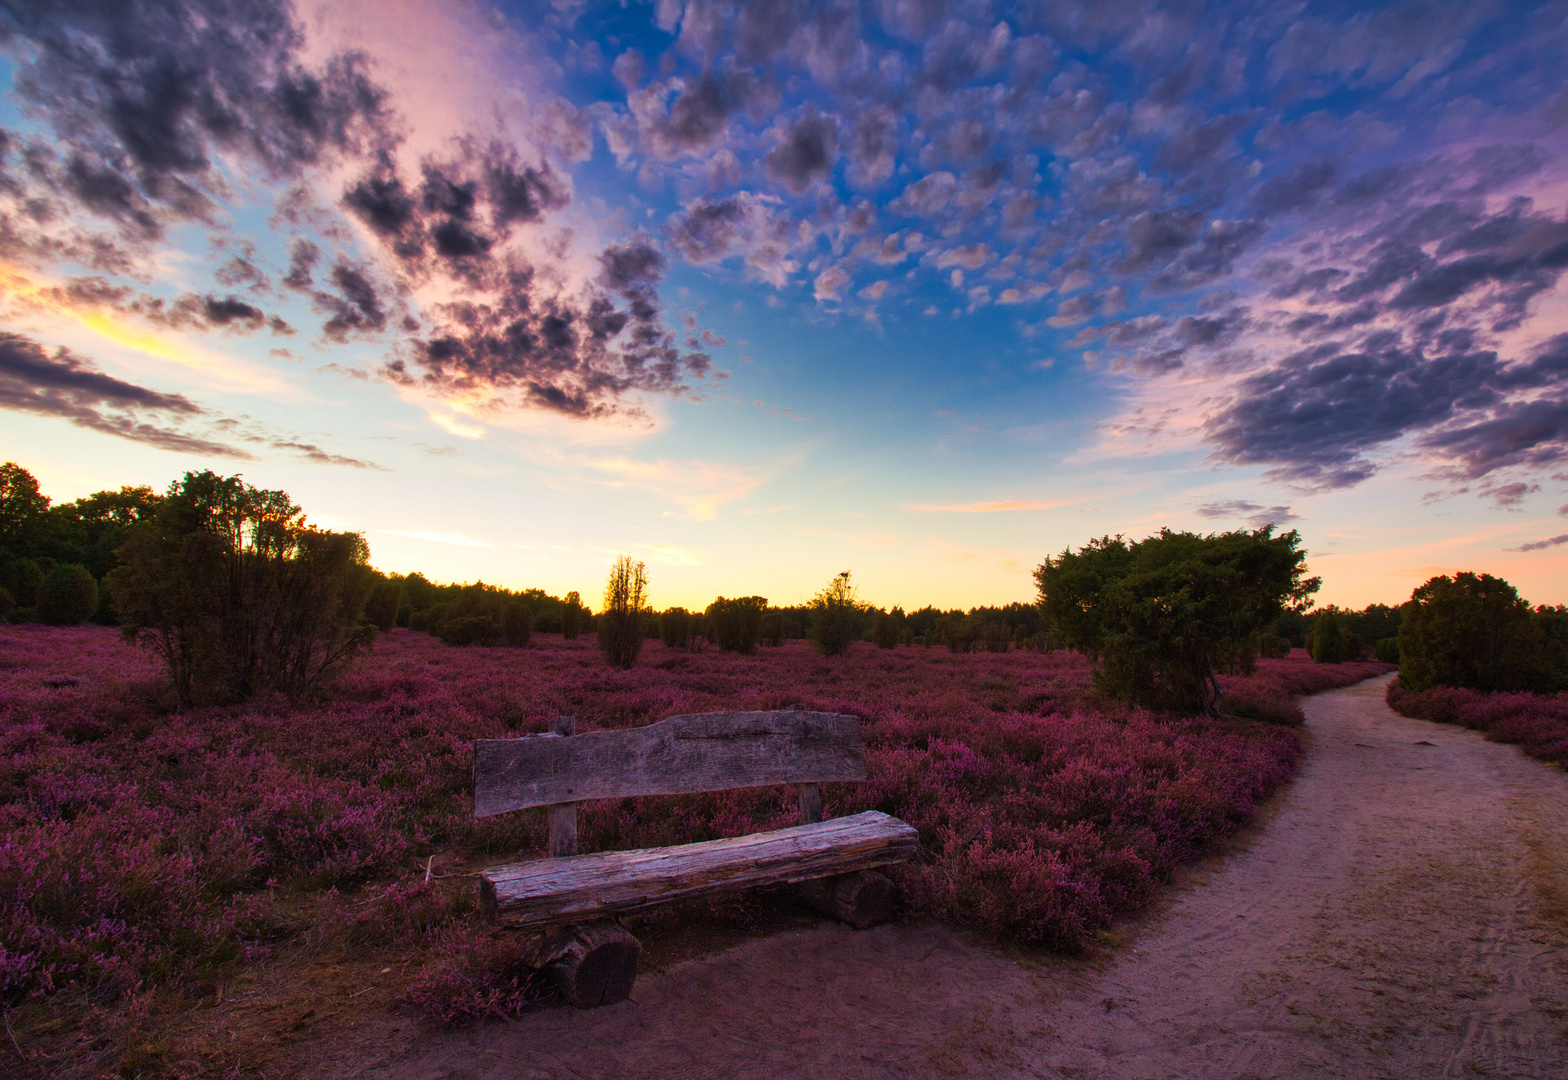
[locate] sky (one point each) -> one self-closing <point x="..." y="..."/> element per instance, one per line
<point x="758" y="293"/>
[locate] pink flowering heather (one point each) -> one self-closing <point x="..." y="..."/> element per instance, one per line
<point x="1538" y="723"/>
<point x="144" y="847"/>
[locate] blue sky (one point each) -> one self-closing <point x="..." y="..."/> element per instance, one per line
<point x="759" y="293"/>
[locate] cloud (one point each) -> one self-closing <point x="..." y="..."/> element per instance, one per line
<point x="66" y="386"/>
<point x="1255" y="514"/>
<point x="804" y="153"/>
<point x="1541" y="545"/>
<point x="154" y="108"/>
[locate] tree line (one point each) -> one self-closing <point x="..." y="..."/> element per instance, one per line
<point x="238" y="594"/>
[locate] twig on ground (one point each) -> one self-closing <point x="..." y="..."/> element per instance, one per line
<point x="12" y="1034"/>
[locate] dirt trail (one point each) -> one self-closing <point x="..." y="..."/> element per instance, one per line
<point x="1402" y="912"/>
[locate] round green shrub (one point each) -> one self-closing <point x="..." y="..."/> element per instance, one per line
<point x="68" y="596"/>
<point x="1387" y="650"/>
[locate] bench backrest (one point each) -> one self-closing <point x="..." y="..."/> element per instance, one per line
<point x="678" y="756"/>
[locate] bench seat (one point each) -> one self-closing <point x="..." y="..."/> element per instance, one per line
<point x="581" y="888"/>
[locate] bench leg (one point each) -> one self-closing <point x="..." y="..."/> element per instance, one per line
<point x="861" y="899"/>
<point x="596" y="964"/>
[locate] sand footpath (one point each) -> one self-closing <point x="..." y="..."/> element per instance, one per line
<point x="1401" y="911"/>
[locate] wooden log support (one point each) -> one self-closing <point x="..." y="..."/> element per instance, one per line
<point x="556" y="892"/>
<point x="596" y="964"/>
<point x="681" y="755"/>
<point x="862" y="899"/>
<point x="563" y="817"/>
<point x="810" y="804"/>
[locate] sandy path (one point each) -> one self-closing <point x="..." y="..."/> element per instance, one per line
<point x="1403" y="912"/>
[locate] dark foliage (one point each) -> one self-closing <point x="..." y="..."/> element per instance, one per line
<point x="838" y="616"/>
<point x="236" y="594"/>
<point x="573" y="616"/>
<point x="1161" y="617"/>
<point x="1473" y="631"/>
<point x="1330" y="644"/>
<point x="68" y="596"/>
<point x="621" y="624"/>
<point x="735" y="625"/>
<point x="886" y="627"/>
<point x="675" y="628"/>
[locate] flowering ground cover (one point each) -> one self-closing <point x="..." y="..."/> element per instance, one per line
<point x="1538" y="723"/>
<point x="154" y="860"/>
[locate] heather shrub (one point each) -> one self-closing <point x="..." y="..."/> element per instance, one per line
<point x="172" y="855"/>
<point x="620" y="625"/>
<point x="1537" y="723"/>
<point x="68" y="596"/>
<point x="478" y="975"/>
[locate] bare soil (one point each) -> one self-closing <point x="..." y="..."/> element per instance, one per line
<point x="1401" y="910"/>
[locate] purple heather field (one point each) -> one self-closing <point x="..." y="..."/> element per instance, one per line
<point x="151" y="856"/>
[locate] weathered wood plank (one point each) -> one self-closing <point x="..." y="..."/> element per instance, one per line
<point x="678" y="756"/>
<point x="553" y="892"/>
<point x="563" y="818"/>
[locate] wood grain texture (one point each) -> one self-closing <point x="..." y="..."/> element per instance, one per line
<point x="554" y="892"/>
<point x="563" y="818"/>
<point x="810" y="803"/>
<point x="678" y="756"/>
<point x="596" y="965"/>
<point x="862" y="899"/>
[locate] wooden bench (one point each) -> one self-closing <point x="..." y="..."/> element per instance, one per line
<point x="572" y="899"/>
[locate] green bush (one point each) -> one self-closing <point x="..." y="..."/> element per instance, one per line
<point x="620" y="629"/>
<point x="573" y="615"/>
<point x="517" y="623"/>
<point x="386" y="599"/>
<point x="68" y="596"/>
<point x="1160" y="616"/>
<point x="1329" y="642"/>
<point x="884" y="629"/>
<point x="7" y="603"/>
<point x="470" y="630"/>
<point x="1473" y="631"/>
<point x="838" y="614"/>
<point x="1387" y="650"/>
<point x="675" y="628"/>
<point x="22" y="579"/>
<point x="1273" y="646"/>
<point x="230" y="587"/>
<point x="734" y="625"/>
